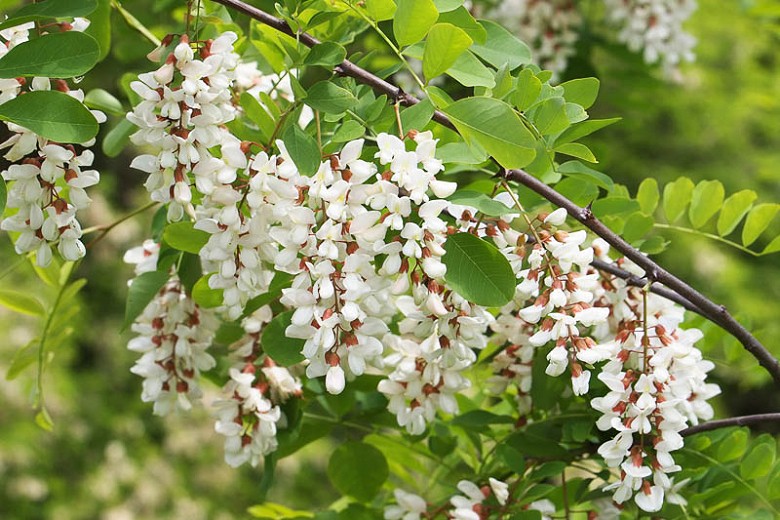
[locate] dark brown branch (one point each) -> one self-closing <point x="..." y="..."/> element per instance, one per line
<point x="636" y="281"/>
<point x="745" y="420"/>
<point x="706" y="307"/>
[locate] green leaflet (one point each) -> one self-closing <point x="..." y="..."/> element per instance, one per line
<point x="51" y="114"/>
<point x="478" y="271"/>
<point x="56" y="55"/>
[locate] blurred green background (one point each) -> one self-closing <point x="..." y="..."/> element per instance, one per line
<point x="109" y="458"/>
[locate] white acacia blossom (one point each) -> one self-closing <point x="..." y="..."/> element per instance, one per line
<point x="48" y="179"/>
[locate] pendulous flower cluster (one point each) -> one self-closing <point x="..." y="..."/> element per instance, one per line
<point x="48" y="179"/>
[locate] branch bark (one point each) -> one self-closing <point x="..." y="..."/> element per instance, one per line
<point x="745" y="420"/>
<point x="699" y="303"/>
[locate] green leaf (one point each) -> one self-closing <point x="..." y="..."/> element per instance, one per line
<point x="582" y="91"/>
<point x="24" y="357"/>
<point x="706" y="200"/>
<point x="413" y="19"/>
<point x="637" y="226"/>
<point x="100" y="27"/>
<point x="358" y="469"/>
<point x="55" y="55"/>
<point x="478" y="271"/>
<point x="285" y="351"/>
<point x="303" y="150"/>
<point x="733" y="446"/>
<point x="380" y="10"/>
<point x="501" y="47"/>
<point x="528" y="89"/>
<point x="496" y="127"/>
<point x="51" y="114"/>
<point x="677" y="195"/>
<point x="578" y="150"/>
<point x="444" y="44"/>
<point x="759" y="461"/>
<point x="348" y="131"/>
<point x="512" y="458"/>
<point x="444" y="6"/>
<point x="118" y="137"/>
<point x="271" y="511"/>
<point x="578" y="170"/>
<point x="584" y="128"/>
<point x="757" y="221"/>
<point x="99" y="99"/>
<point x="550" y="116"/>
<point x="772" y="247"/>
<point x="21" y="302"/>
<point x="470" y="72"/>
<point x="611" y="206"/>
<point x="258" y="114"/>
<point x="734" y="210"/>
<point x="461" y="17"/>
<point x="142" y="290"/>
<point x="183" y="236"/>
<point x="579" y="191"/>
<point x="44" y="421"/>
<point x="417" y="116"/>
<point x="478" y="419"/>
<point x="482" y="202"/>
<point x="648" y="195"/>
<point x="326" y="54"/>
<point x="459" y="153"/>
<point x="50" y="9"/>
<point x="204" y="295"/>
<point x="329" y="98"/>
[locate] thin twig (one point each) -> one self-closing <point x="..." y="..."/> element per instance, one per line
<point x="744" y="420"/>
<point x="718" y="314"/>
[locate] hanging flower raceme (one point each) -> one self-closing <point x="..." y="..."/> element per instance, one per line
<point x="655" y="28"/>
<point x="48" y="179"/>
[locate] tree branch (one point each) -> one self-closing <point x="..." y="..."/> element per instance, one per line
<point x="745" y="420"/>
<point x="704" y="306"/>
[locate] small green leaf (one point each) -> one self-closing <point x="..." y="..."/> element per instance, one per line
<point x="303" y="150"/>
<point x="759" y="461"/>
<point x="271" y="511"/>
<point x="733" y="446"/>
<point x="470" y="72"/>
<point x="444" y="6"/>
<point x="528" y="89"/>
<point x="584" y="128"/>
<point x="358" y="469"/>
<point x="772" y="247"/>
<point x="578" y="150"/>
<point x="444" y="44"/>
<point x="578" y="170"/>
<point x="183" y="236"/>
<point x="326" y="54"/>
<point x="478" y="271"/>
<point x="55" y="55"/>
<point x="417" y="116"/>
<point x="102" y="100"/>
<point x="647" y="195"/>
<point x="550" y="116"/>
<point x="734" y="210"/>
<point x="348" y="131"/>
<point x="677" y="196"/>
<point x="329" y="98"/>
<point x="706" y="200"/>
<point x="582" y="91"/>
<point x="580" y="191"/>
<point x="461" y="17"/>
<point x="24" y="357"/>
<point x="51" y="114"/>
<point x="285" y="351"/>
<point x="142" y="290"/>
<point x="757" y="221"/>
<point x="459" y="153"/>
<point x="23" y="303"/>
<point x="44" y="421"/>
<point x="482" y="202"/>
<point x="100" y="27"/>
<point x="258" y="114"/>
<point x="496" y="127"/>
<point x="204" y="295"/>
<point x="636" y="227"/>
<point x="50" y="9"/>
<point x="413" y="19"/>
<point x="118" y="137"/>
<point x="611" y="206"/>
<point x="501" y="47"/>
<point x="380" y="10"/>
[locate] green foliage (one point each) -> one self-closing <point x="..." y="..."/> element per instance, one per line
<point x="50" y="9"/>
<point x="54" y="115"/>
<point x="184" y="237"/>
<point x="478" y="271"/>
<point x="445" y="43"/>
<point x="413" y="20"/>
<point x="358" y="469"/>
<point x="57" y="55"/>
<point x="303" y="150"/>
<point x="285" y="351"/>
<point x="141" y="291"/>
<point x="330" y="98"/>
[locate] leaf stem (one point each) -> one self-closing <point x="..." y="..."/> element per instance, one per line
<point x="707" y="235"/>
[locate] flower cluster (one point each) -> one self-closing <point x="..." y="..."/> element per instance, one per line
<point x="654" y="27"/>
<point x="470" y="505"/>
<point x="49" y="179"/>
<point x="173" y="335"/>
<point x="550" y="28"/>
